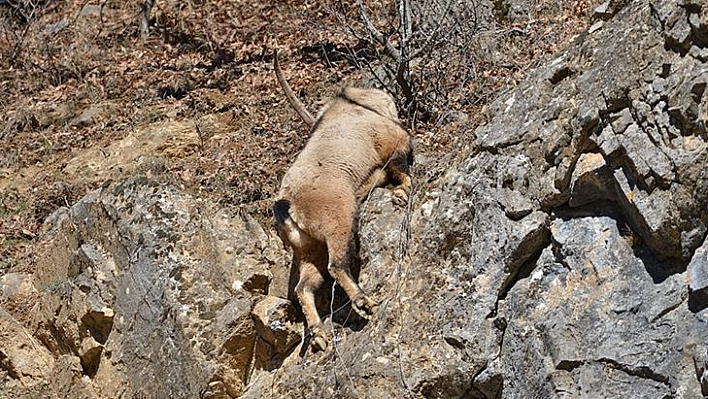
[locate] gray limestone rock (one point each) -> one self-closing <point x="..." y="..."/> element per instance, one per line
<point x="552" y="259"/>
<point x="147" y="290"/>
<point x="698" y="278"/>
<point x="564" y="256"/>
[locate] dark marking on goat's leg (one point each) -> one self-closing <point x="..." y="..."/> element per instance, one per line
<point x="310" y="280"/>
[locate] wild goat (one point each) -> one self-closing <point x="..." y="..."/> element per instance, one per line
<point x="356" y="143"/>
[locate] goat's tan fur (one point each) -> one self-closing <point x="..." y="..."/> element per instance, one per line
<point x="356" y="143"/>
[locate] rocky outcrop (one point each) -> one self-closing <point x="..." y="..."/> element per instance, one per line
<point x="142" y="289"/>
<point x="564" y="256"/>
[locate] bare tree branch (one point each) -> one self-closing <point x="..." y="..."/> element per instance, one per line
<point x="437" y="36"/>
<point x="376" y="34"/>
<point x="145" y="19"/>
<point x="436" y="33"/>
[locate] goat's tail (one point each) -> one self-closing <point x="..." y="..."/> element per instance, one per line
<point x="281" y="211"/>
<point x="289" y="231"/>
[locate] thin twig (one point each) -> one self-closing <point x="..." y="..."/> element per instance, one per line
<point x="429" y="42"/>
<point x="337" y="355"/>
<point x="376" y="34"/>
<point x="405" y="232"/>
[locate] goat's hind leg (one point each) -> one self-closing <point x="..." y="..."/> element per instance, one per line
<point x="310" y="281"/>
<point x="340" y="250"/>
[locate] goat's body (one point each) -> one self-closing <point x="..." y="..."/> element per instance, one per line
<point x="355" y="138"/>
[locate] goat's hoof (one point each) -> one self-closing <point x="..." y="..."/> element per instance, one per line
<point x="318" y="339"/>
<point x="399" y="197"/>
<point x="365" y="305"/>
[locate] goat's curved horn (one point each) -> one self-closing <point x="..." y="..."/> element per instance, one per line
<point x="292" y="99"/>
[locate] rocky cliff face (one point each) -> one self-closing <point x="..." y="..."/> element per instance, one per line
<point x="565" y="255"/>
<point x="144" y="289"/>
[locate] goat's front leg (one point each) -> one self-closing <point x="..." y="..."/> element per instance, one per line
<point x="378" y="178"/>
<point x="400" y="193"/>
<point x="398" y="171"/>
